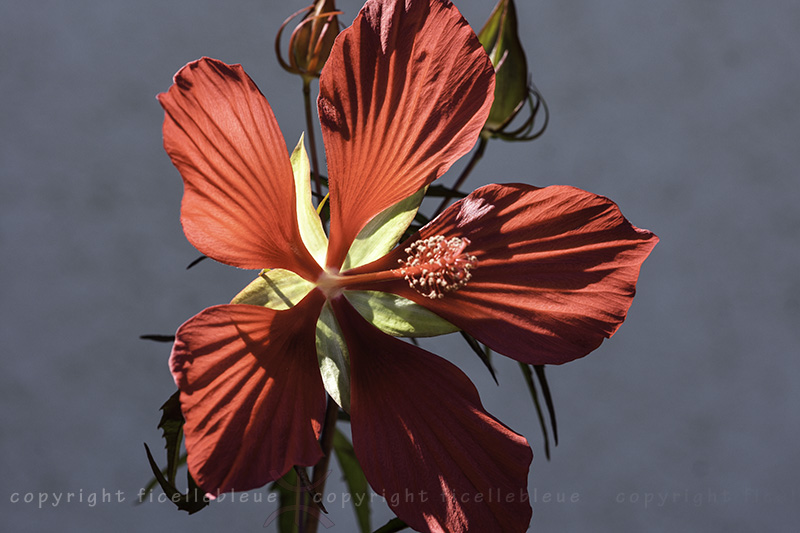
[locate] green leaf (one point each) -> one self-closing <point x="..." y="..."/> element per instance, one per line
<point x="153" y="481"/>
<point x="398" y="316"/>
<point x="382" y="232"/>
<point x="311" y="230"/>
<point x="500" y="39"/>
<point x="355" y="479"/>
<point x="191" y="502"/>
<point x="526" y="373"/>
<point x="440" y="191"/>
<point x="483" y="352"/>
<point x="548" y="399"/>
<point x="158" y="338"/>
<point x="275" y="288"/>
<point x="333" y="358"/>
<point x="288" y="505"/>
<point x="171" y="425"/>
<point x="196" y="261"/>
<point x="395" y="524"/>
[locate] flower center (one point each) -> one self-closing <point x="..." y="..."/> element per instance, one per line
<point x="436" y="266"/>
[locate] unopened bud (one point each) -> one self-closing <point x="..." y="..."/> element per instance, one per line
<point x="312" y="39"/>
<point x="500" y="39"/>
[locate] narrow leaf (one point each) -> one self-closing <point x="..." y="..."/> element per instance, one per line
<point x="440" y="191"/>
<point x="193" y="263"/>
<point x="479" y="351"/>
<point x="548" y="399"/>
<point x="153" y="481"/>
<point x="395" y="524"/>
<point x="528" y="375"/>
<point x="158" y="338"/>
<point x="355" y="479"/>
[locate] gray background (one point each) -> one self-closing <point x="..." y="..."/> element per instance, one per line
<point x="683" y="111"/>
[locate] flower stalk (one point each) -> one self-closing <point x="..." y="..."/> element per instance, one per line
<point x="320" y="473"/>
<point x="311" y="137"/>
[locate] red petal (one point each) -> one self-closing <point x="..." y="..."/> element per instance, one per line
<point x="238" y="202"/>
<point x="251" y="393"/>
<point x="556" y="273"/>
<point x="425" y="442"/>
<point x="404" y="94"/>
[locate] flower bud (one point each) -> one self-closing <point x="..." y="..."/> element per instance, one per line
<point x="500" y="39"/>
<point x="312" y="39"/>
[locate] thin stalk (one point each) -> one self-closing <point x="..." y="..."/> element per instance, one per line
<point x="310" y="131"/>
<point x="300" y="503"/>
<point x="463" y="177"/>
<point x="320" y="473"/>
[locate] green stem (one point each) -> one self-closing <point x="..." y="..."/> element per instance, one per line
<point x="319" y="476"/>
<point x="310" y="132"/>
<point x="301" y="502"/>
<point x="467" y="170"/>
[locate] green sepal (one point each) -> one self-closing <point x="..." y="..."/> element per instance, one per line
<point x="382" y="232"/>
<point x="333" y="358"/>
<point x="311" y="230"/>
<point x="355" y="479"/>
<point x="398" y="316"/>
<point x="500" y="39"/>
<point x="276" y="288"/>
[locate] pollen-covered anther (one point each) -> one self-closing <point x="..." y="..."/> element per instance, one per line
<point x="436" y="266"/>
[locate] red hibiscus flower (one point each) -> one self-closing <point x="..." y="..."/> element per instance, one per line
<point x="541" y="275"/>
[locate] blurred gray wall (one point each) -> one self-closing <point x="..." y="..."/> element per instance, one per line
<point x="684" y="112"/>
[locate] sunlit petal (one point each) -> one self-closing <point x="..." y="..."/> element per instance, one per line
<point x="239" y="200"/>
<point x="425" y="442"/>
<point x="404" y="94"/>
<point x="556" y="270"/>
<point x="251" y="393"/>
